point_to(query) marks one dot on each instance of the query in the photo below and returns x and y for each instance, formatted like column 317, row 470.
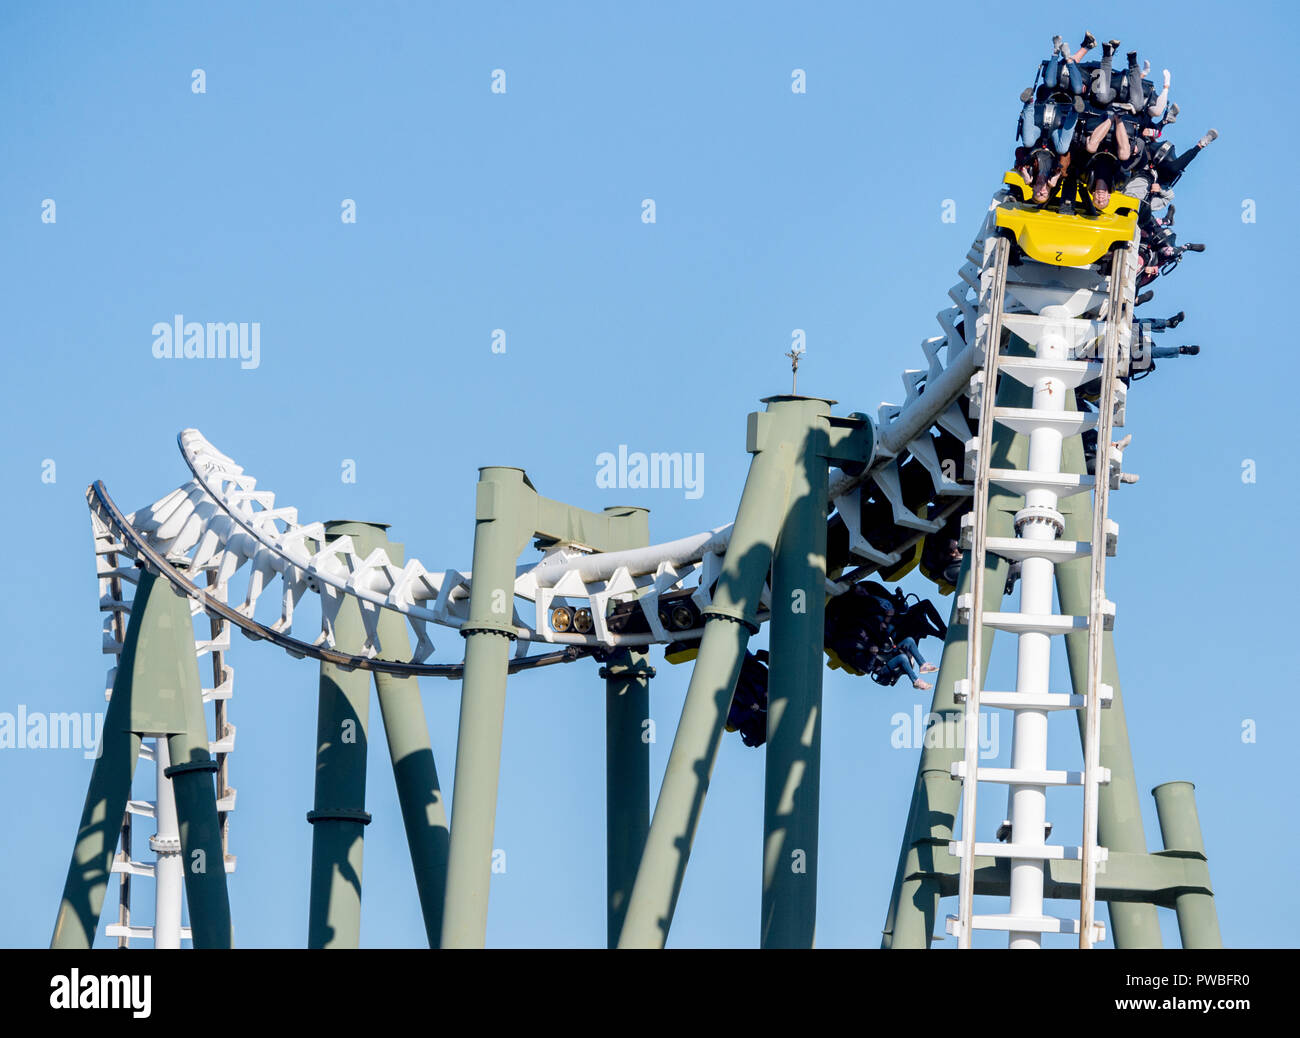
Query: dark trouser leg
column 1135, row 95
column 1102, row 91
column 1184, row 160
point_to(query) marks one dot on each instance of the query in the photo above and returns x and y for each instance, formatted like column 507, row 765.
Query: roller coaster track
column 198, row 536
column 219, row 523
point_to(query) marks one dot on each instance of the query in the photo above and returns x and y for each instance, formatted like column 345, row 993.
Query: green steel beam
column 729, row 621
column 508, row 512
column 1151, row 879
column 192, row 772
column 1119, row 807
column 505, row 517
column 792, row 763
column 156, row 691
column 936, row 795
column 339, row 815
column 415, row 772
column 1180, row 829
column 627, row 675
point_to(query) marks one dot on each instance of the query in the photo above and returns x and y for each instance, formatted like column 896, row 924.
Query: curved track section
column 220, row 522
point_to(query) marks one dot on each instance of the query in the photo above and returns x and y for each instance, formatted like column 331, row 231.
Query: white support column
column 1038, row 521
column 166, row 844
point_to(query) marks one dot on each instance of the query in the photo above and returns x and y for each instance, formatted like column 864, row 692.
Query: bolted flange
column 1039, row 514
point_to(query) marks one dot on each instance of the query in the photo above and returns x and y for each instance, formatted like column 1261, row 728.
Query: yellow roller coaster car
column 838, row 664
column 1064, row 239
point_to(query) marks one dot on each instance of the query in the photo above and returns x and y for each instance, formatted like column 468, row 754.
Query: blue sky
column 522, row 211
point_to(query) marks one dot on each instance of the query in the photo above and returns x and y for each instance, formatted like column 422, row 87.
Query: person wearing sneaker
column 1128, row 91
column 890, row 660
column 1104, row 169
column 1169, row 165
column 1132, row 88
column 1155, row 110
column 1051, row 70
column 1158, row 324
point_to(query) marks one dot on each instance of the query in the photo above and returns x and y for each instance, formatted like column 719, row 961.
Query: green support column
column 729, row 622
column 1119, row 808
column 202, row 858
column 419, row 792
column 936, row 796
column 792, row 765
column 101, row 818
column 156, row 691
column 339, row 814
column 424, row 814
column 508, row 511
column 505, row 517
column 627, row 675
column 1180, row 829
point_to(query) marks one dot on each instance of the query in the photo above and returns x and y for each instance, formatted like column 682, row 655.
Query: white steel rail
column 998, row 251
column 1119, row 316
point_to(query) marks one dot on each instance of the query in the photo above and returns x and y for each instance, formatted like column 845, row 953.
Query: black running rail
column 135, row 544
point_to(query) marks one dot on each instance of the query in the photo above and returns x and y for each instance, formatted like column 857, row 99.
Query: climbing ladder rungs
column 1027, row 623
column 1025, row 852
column 1025, row 924
column 143, row 933
column 226, row 744
column 223, row 691
column 1027, row 419
column 1030, row 700
column 1028, row 370
column 1046, row 623
column 1026, row 777
column 121, row 863
column 1063, row 484
column 1031, row 328
column 1021, row 548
